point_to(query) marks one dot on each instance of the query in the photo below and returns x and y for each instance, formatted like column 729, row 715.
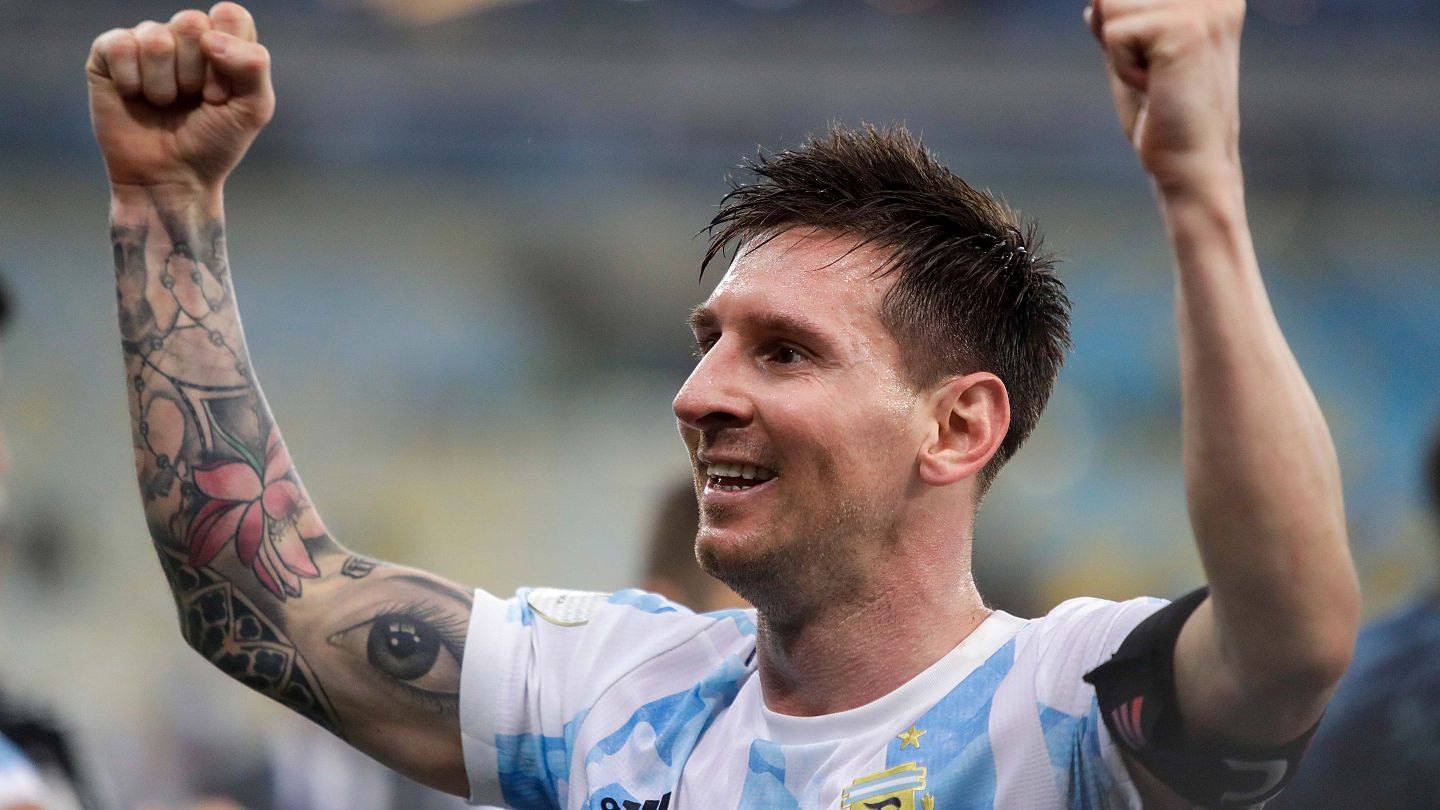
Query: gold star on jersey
column 910, row 738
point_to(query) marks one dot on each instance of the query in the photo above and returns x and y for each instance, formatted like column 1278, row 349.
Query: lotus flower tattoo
column 263, row 510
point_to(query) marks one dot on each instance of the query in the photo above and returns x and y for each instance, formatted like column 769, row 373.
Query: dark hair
column 973, row 291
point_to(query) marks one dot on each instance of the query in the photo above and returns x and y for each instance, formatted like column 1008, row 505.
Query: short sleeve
column 1073, row 639
column 537, row 665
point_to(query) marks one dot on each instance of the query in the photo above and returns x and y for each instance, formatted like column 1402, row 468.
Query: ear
column 969, row 417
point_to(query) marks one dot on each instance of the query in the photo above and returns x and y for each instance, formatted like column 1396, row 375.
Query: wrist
column 1197, row 178
column 207, row 198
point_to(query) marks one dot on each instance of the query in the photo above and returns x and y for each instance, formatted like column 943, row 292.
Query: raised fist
column 1174, row 69
column 179, row 103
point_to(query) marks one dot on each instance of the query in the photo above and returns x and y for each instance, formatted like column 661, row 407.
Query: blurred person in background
column 842, row 438
column 671, row 569
column 37, row 764
column 1379, row 743
column 20, row 785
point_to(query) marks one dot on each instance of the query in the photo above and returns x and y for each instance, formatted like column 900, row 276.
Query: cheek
column 881, row 441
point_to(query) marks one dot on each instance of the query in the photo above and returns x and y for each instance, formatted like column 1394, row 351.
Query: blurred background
column 466, row 246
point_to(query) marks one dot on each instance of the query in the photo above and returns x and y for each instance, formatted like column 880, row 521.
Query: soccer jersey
column 583, row 701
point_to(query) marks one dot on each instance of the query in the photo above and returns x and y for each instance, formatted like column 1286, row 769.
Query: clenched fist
column 179, row 103
column 1174, row 69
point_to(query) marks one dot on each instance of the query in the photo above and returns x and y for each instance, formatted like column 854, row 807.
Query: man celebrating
column 883, row 342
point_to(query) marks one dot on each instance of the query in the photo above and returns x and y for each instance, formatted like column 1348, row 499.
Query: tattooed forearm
column 262, row 590
column 223, row 625
column 214, row 475
column 201, row 419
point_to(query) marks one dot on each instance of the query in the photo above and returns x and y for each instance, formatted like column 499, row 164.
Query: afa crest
column 897, row 788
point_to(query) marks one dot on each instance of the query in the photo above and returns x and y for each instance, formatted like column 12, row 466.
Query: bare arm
column 1256, row 663
column 370, row 651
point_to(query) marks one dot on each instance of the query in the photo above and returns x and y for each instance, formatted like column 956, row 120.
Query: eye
column 703, row 344
column 418, row 646
column 401, row 647
column 785, row 355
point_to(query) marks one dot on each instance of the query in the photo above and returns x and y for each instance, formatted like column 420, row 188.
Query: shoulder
column 649, row 617
column 1055, row 652
column 604, row 634
column 549, row 675
column 1087, row 624
column 579, row 643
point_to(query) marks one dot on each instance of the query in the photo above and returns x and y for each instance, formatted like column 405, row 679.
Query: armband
column 1136, row 692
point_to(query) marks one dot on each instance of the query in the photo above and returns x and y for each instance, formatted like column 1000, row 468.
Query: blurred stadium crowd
column 465, row 249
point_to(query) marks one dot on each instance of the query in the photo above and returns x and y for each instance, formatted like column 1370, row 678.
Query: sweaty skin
column 373, row 651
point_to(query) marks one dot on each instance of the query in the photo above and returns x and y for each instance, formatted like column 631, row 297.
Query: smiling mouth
column 736, row 477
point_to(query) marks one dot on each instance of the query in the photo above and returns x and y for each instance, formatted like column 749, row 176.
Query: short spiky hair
column 972, row 292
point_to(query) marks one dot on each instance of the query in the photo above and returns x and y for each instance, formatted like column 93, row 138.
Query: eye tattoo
column 418, row 647
column 401, row 647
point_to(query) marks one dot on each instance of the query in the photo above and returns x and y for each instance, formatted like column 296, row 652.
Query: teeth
column 749, row 472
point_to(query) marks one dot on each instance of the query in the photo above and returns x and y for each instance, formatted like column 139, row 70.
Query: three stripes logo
column 662, row 803
column 1126, row 718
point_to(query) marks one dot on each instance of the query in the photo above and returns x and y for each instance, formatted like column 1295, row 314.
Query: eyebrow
column 703, row 318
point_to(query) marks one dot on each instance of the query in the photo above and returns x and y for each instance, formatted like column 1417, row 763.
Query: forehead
column 824, row 275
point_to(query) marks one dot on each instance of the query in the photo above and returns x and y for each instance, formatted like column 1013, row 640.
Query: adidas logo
column 662, row 803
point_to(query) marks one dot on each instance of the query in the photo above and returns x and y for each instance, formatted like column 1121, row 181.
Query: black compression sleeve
column 1136, row 691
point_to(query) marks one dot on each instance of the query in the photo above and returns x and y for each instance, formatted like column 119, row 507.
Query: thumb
column 245, row 65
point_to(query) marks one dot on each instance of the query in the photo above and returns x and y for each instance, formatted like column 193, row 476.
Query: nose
column 714, row 397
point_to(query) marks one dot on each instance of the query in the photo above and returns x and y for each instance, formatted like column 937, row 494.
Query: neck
column 829, row 660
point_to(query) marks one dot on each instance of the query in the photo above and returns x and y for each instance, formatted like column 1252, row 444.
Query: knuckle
column 190, row 22
column 154, row 38
column 157, row 46
column 112, row 42
column 230, row 13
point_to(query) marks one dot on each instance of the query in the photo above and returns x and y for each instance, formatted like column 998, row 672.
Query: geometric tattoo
column 237, row 536
column 213, row 472
column 232, row 634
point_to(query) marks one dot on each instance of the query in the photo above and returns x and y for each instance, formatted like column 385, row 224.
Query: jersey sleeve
column 1141, row 708
column 1077, row 636
column 536, row 664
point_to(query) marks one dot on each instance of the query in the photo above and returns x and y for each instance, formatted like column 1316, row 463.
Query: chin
column 775, row 575
column 735, row 557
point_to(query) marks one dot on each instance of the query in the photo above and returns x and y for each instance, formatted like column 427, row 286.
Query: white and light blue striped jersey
column 584, row 701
